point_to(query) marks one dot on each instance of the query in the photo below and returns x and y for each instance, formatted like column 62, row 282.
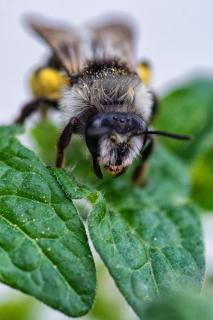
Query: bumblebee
column 102, row 94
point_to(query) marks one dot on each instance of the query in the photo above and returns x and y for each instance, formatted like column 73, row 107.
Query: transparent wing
column 114, row 39
column 64, row 43
column 108, row 40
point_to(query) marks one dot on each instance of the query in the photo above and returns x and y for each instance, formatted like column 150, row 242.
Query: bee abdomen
column 48, row 82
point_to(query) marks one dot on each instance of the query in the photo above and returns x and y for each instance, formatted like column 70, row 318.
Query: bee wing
column 64, row 43
column 114, row 39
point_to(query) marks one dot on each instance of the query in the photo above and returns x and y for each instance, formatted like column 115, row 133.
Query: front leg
column 140, row 169
column 96, row 168
column 33, row 106
column 64, row 140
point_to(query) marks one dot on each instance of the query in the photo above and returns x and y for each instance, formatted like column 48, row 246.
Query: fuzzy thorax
column 117, row 151
column 119, row 94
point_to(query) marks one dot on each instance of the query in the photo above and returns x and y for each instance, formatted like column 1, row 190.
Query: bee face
column 118, row 151
column 115, row 139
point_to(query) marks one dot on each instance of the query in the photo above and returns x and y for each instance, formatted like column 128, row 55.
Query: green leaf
column 202, row 174
column 150, row 246
column 179, row 306
column 43, row 245
column 72, row 188
column 187, row 109
column 45, row 134
column 155, row 250
column 149, row 236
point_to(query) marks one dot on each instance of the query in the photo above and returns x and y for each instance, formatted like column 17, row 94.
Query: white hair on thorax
column 143, row 101
column 72, row 103
column 130, row 94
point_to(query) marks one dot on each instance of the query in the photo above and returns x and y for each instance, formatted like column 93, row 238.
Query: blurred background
column 176, row 36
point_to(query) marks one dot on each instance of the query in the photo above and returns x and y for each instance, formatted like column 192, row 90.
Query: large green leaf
column 150, row 236
column 149, row 249
column 43, row 244
column 160, row 249
column 187, row 109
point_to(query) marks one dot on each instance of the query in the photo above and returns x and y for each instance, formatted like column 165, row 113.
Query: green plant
column 149, row 237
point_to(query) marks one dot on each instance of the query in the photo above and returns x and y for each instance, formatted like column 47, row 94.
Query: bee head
column 114, row 139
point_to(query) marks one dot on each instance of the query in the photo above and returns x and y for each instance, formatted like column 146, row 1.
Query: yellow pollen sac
column 144, row 73
column 48, row 82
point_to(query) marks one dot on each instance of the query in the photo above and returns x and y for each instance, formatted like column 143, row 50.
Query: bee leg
column 139, row 171
column 64, row 140
column 33, row 106
column 97, row 169
column 44, row 111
